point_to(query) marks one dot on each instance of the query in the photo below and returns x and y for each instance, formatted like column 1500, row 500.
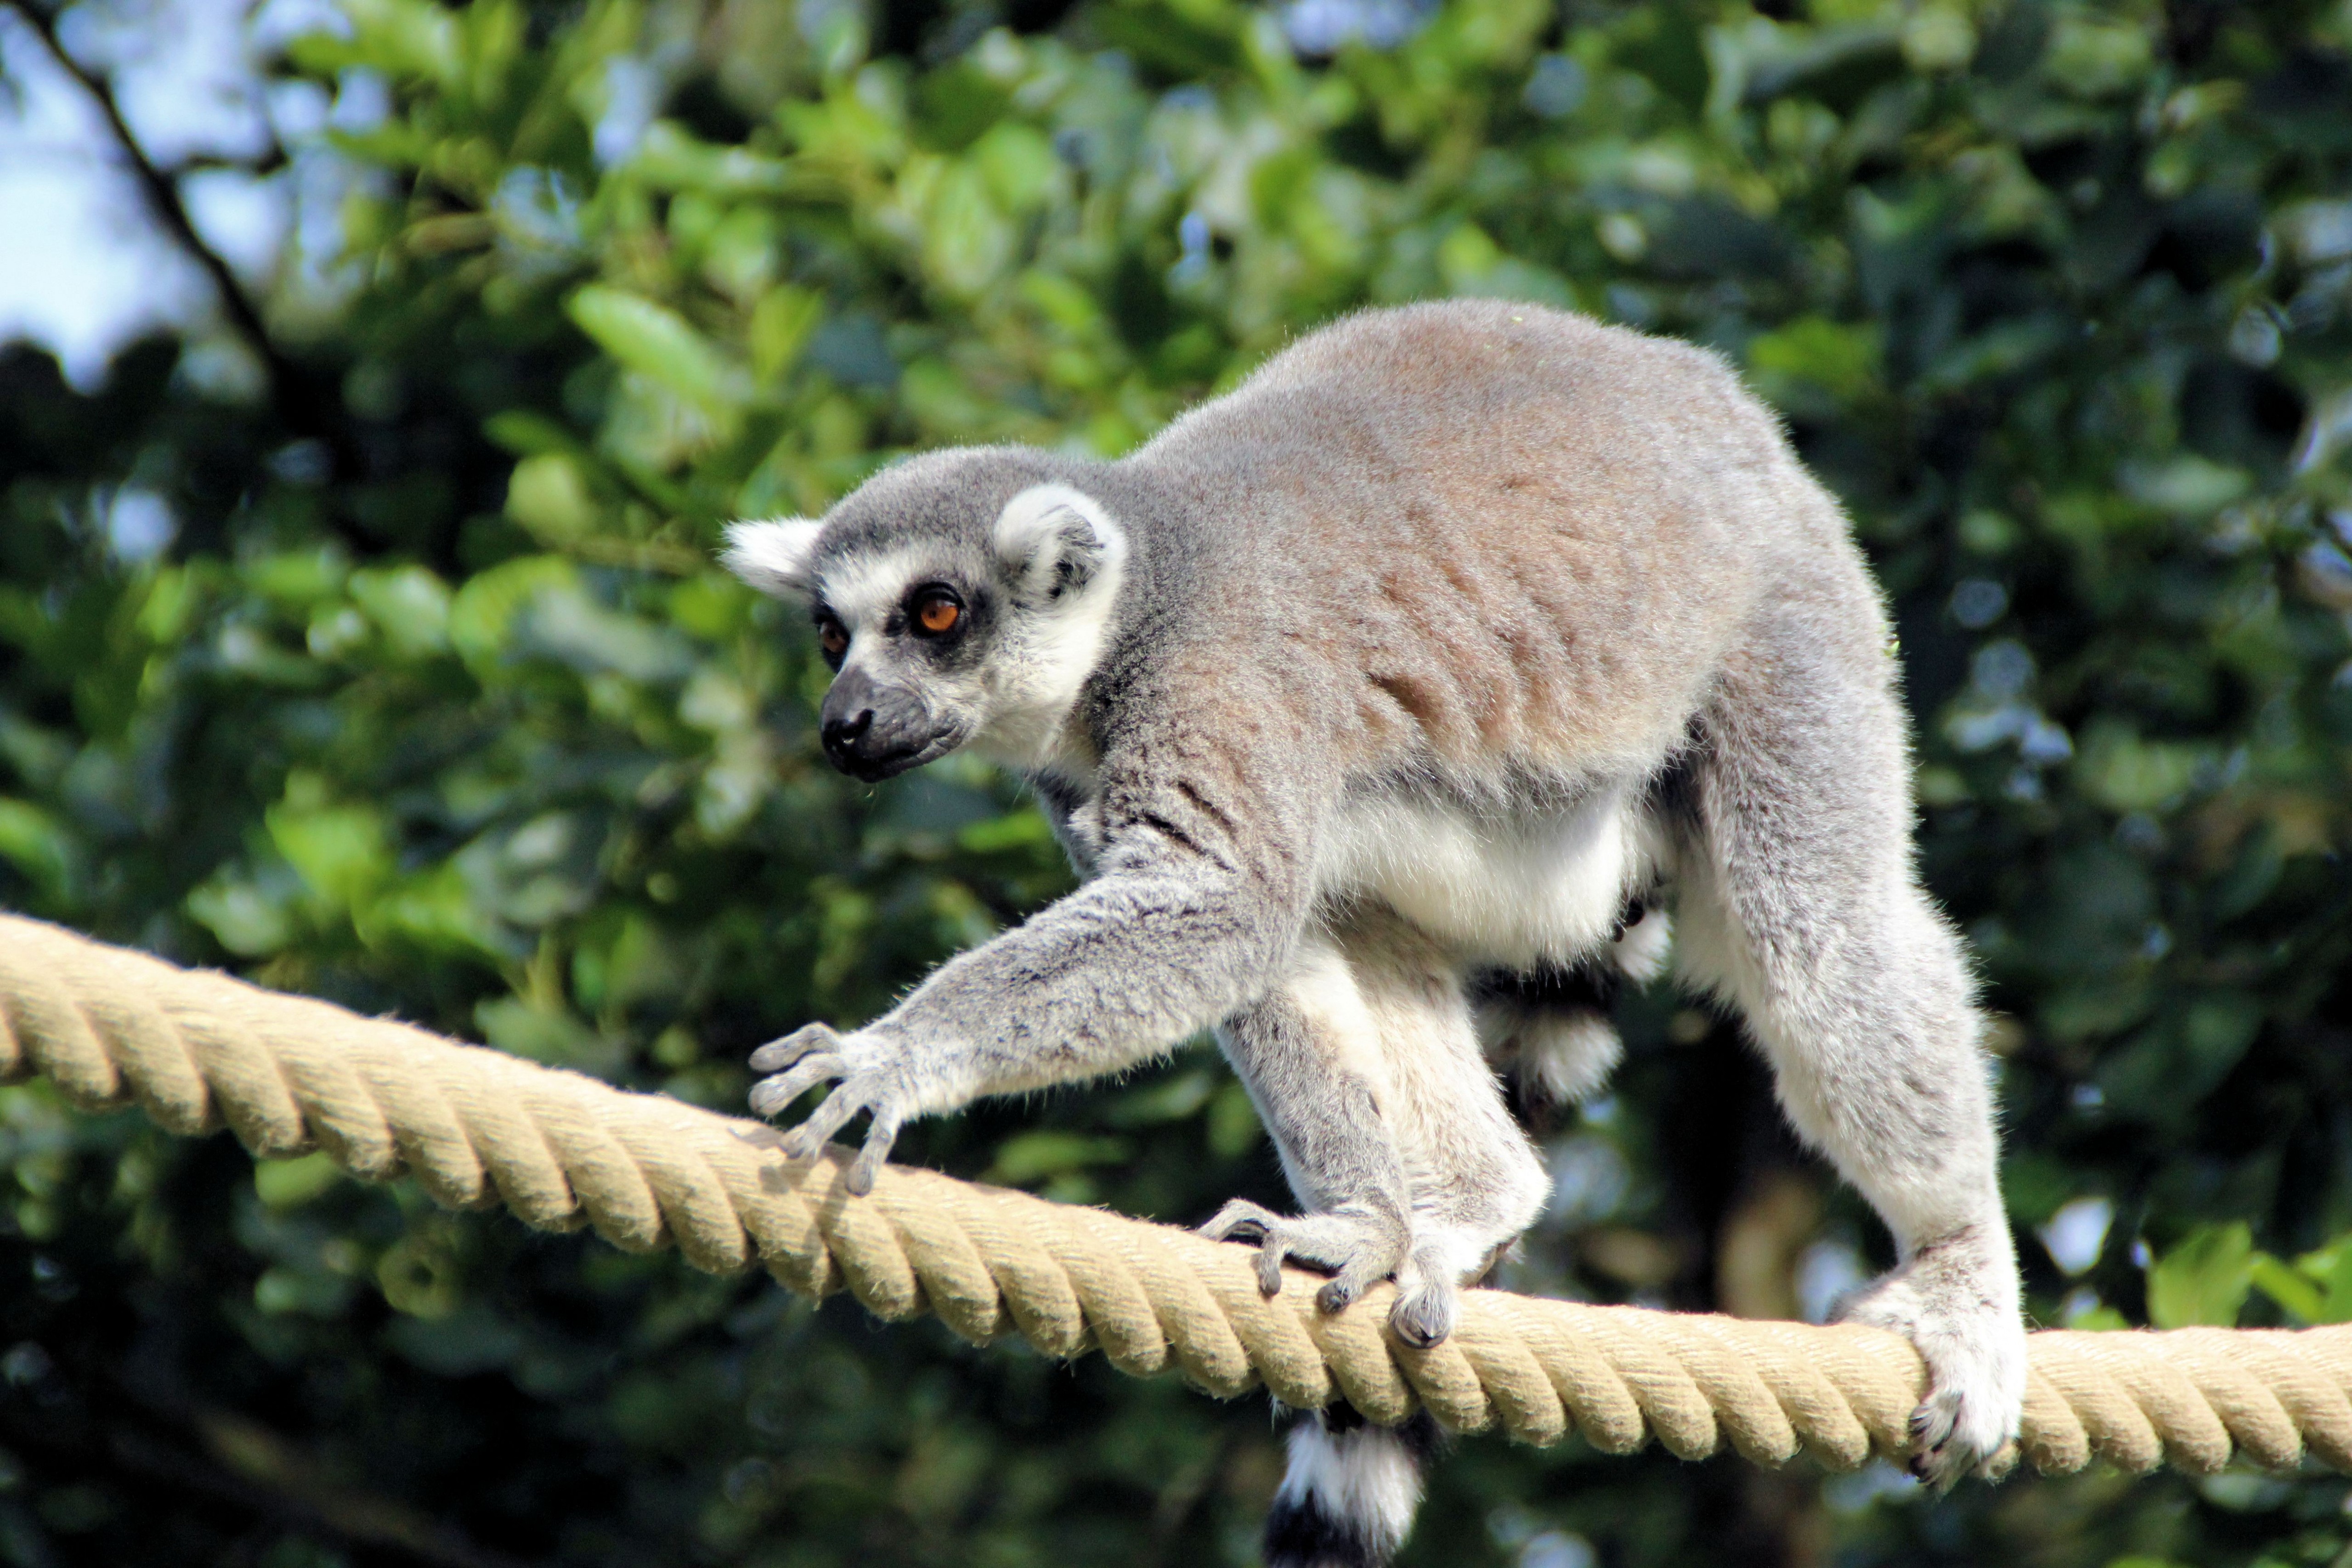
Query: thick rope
column 474, row 1127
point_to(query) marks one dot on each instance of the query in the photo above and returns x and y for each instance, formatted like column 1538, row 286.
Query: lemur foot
column 1359, row 1248
column 1426, row 1305
column 1957, row 1308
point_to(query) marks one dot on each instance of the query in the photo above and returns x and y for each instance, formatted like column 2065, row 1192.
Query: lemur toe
column 1240, row 1220
column 876, row 1153
column 771, row 1095
column 1423, row 1315
column 1945, row 1451
column 1931, row 1434
column 1357, row 1250
column 1356, row 1274
column 784, row 1053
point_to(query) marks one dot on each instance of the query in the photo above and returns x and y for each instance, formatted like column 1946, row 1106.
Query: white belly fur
column 1517, row 890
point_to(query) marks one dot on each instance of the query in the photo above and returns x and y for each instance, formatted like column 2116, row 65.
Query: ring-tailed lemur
column 1413, row 659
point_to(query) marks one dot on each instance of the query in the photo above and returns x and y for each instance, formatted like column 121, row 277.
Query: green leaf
column 410, row 39
column 2202, row 1279
column 1016, row 830
column 968, row 241
column 780, row 324
column 342, row 852
column 551, row 497
column 2187, row 485
column 2123, row 772
column 527, row 433
column 433, row 910
column 656, row 342
column 482, row 613
column 1798, row 364
column 1234, row 1125
column 36, row 844
column 290, row 1183
column 2093, row 57
column 408, row 603
column 672, row 158
column 2330, row 1269
column 2181, row 1057
column 1028, row 1157
column 551, row 1035
column 1018, row 164
column 2292, row 1291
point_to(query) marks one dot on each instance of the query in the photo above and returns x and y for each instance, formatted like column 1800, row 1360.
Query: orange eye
column 937, row 613
column 831, row 639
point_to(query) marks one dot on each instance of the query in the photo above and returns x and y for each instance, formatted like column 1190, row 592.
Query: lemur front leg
column 1365, row 1067
column 1178, row 930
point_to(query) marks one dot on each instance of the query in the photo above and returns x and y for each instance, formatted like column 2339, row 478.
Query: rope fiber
column 196, row 1051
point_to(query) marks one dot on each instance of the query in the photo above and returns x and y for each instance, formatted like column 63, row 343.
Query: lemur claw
column 1423, row 1316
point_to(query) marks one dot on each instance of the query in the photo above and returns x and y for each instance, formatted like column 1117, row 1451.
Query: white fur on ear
column 1066, row 557
column 773, row 557
column 1057, row 539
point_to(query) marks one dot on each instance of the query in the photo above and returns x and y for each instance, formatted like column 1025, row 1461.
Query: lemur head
column 961, row 596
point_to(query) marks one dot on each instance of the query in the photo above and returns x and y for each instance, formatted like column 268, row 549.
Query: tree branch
column 243, row 1467
column 292, row 394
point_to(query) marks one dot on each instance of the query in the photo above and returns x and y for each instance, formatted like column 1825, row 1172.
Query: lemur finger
column 1240, row 1220
column 784, row 1053
column 771, row 1095
column 803, row 1141
column 1270, row 1254
column 1337, row 1296
column 869, row 1161
column 1353, row 1280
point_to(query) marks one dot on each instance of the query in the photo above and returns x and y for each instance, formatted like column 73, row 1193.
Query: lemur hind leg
column 1306, row 1055
column 1476, row 1181
column 1799, row 902
column 1411, row 1166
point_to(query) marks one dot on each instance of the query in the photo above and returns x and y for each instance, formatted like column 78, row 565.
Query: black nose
column 873, row 729
column 843, row 731
column 846, row 719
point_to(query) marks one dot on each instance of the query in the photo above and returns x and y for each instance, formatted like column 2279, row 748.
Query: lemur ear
column 1056, row 540
column 773, row 557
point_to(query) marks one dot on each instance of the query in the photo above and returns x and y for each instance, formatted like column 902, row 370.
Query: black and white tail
column 1348, row 1497
column 1551, row 1029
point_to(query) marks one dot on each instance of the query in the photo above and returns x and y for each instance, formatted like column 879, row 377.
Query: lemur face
column 947, row 620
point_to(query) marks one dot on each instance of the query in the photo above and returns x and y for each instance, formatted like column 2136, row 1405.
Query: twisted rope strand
column 477, row 1127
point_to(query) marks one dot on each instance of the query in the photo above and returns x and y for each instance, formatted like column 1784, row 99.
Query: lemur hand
column 869, row 1066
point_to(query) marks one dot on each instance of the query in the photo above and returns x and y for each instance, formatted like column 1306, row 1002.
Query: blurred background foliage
column 364, row 641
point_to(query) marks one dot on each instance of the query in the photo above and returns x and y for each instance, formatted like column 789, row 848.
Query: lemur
column 1415, row 660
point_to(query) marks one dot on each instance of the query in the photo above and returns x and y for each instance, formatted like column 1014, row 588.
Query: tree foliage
column 389, row 665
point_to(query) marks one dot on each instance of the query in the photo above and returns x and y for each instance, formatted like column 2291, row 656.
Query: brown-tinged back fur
column 1498, row 532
